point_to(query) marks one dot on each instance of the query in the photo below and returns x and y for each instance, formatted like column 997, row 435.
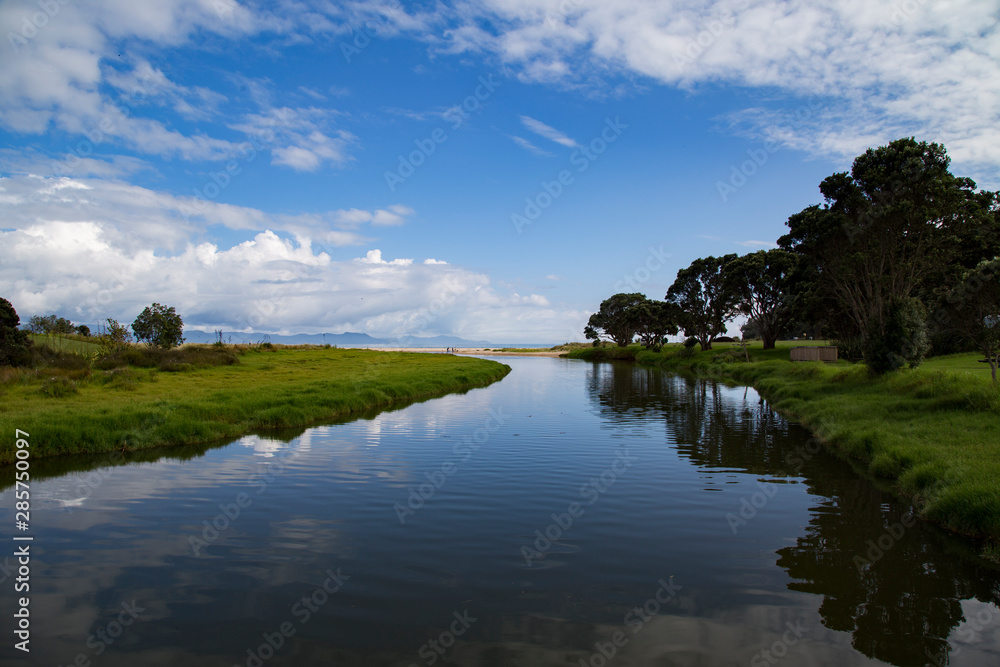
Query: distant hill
column 349, row 339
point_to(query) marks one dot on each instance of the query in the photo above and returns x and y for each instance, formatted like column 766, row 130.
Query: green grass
column 74, row 409
column 63, row 343
column 932, row 433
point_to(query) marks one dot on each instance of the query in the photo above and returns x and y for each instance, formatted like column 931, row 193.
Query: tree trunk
column 769, row 341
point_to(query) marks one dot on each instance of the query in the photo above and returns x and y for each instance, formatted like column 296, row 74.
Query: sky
column 490, row 169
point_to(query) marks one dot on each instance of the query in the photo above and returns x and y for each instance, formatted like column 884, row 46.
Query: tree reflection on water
column 894, row 583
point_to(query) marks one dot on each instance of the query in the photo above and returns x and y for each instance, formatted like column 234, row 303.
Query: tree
column 762, row 283
column 50, row 324
column 975, row 311
column 705, row 299
column 83, row 330
column 14, row 343
column 616, row 319
column 655, row 321
column 882, row 233
column 159, row 326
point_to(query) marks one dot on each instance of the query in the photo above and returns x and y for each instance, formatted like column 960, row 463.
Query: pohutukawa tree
column 656, row 320
column 882, row 232
column 762, row 284
column 705, row 299
column 617, row 319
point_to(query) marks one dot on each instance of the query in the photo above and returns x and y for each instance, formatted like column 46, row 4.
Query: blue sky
column 488, row 169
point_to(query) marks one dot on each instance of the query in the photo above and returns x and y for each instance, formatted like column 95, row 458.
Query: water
column 568, row 513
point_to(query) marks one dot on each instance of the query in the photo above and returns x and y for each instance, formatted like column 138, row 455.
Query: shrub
column 159, row 326
column 904, row 340
column 113, row 338
column 690, row 342
column 58, row 387
column 14, row 343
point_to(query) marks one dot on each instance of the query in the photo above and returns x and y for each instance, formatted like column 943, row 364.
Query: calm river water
column 572, row 514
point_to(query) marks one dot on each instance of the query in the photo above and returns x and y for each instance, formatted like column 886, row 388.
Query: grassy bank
column 932, row 432
column 210, row 394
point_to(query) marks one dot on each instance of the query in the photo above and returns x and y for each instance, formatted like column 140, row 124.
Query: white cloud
column 392, row 216
column 550, row 133
column 757, row 244
column 89, row 249
column 530, row 147
column 76, row 74
column 879, row 70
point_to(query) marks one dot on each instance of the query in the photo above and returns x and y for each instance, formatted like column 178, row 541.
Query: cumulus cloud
column 89, row 249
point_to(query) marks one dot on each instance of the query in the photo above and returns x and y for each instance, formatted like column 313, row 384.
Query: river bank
column 84, row 410
column 932, row 433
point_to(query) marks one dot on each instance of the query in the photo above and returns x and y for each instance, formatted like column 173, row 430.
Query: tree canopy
column 705, row 299
column 159, row 326
column 762, row 283
column 617, row 319
column 14, row 343
column 885, row 228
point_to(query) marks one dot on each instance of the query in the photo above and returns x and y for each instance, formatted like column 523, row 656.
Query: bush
column 14, row 343
column 690, row 342
column 159, row 326
column 904, row 341
column 113, row 338
column 58, row 387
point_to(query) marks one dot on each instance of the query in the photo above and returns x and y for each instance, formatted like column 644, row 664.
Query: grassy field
column 74, row 344
column 933, row 432
column 72, row 408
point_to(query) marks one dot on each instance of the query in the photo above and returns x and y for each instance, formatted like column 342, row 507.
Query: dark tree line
column 901, row 259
